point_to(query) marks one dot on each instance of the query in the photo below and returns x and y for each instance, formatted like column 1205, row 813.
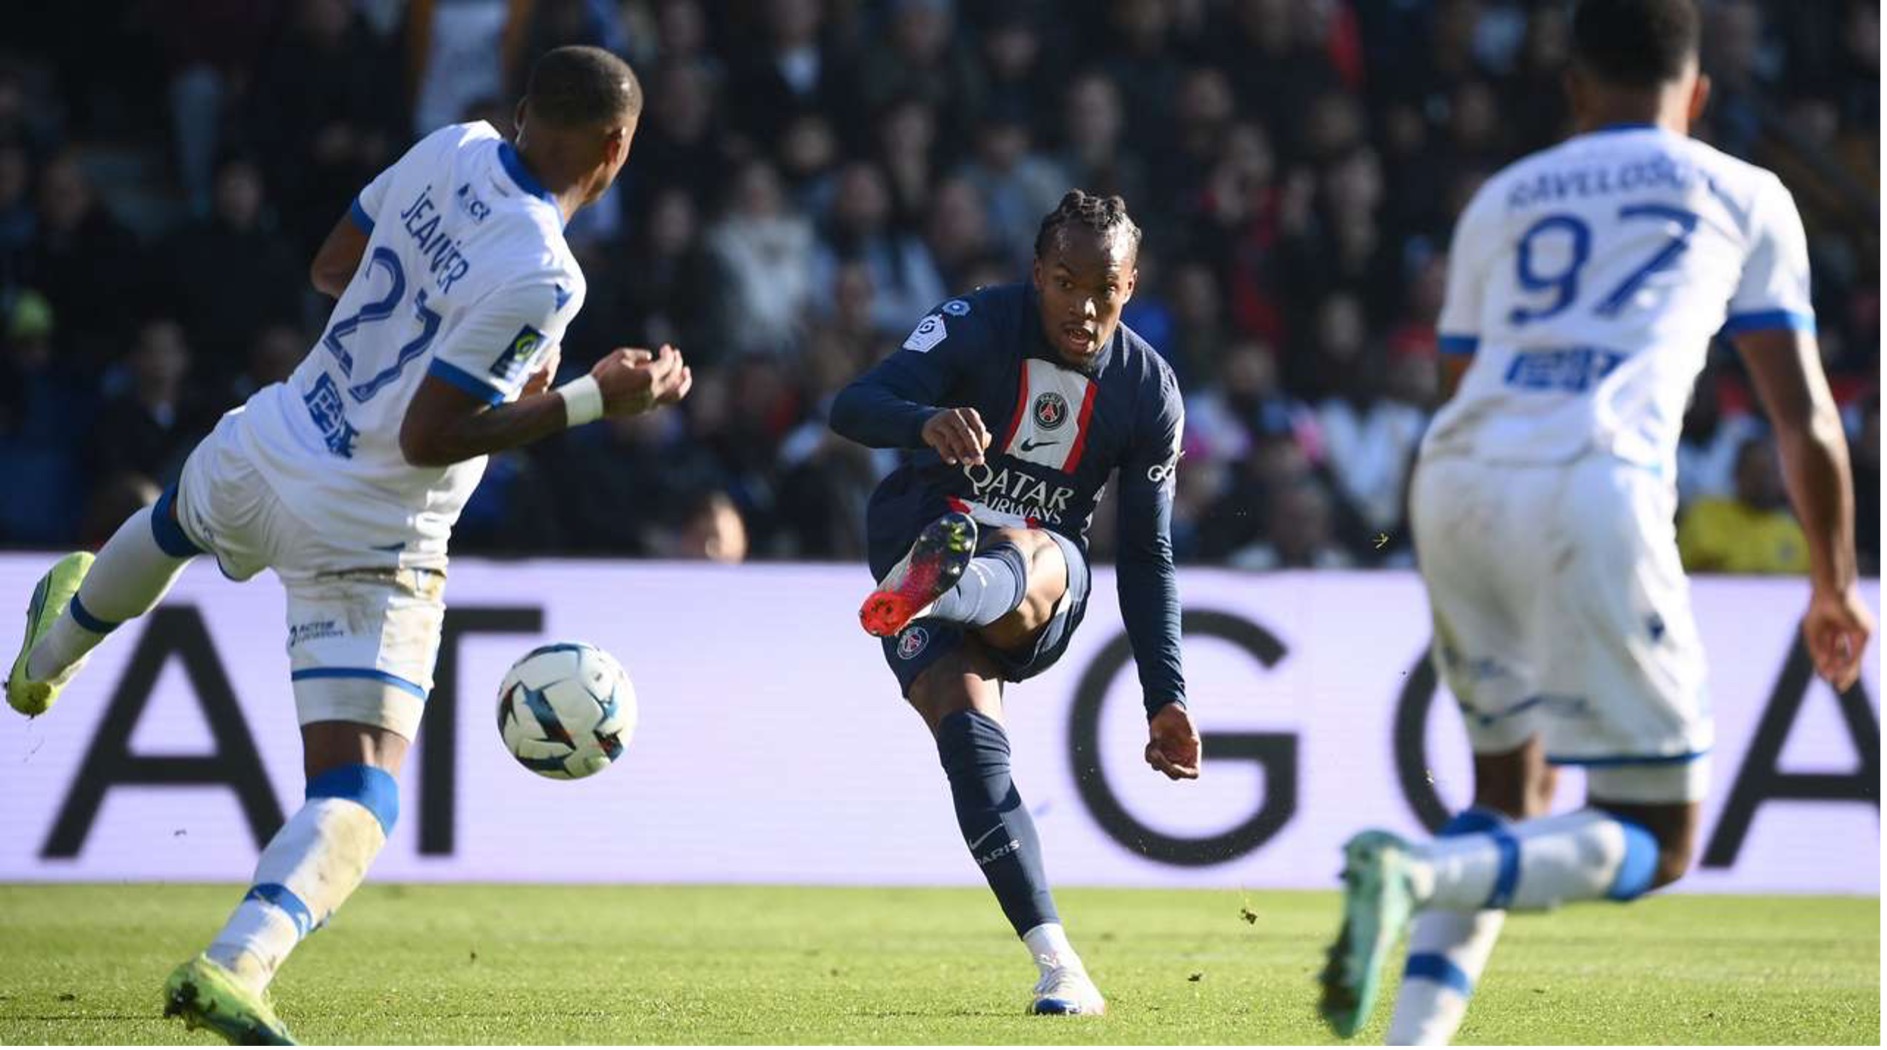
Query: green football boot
column 207, row 996
column 50, row 598
column 1378, row 902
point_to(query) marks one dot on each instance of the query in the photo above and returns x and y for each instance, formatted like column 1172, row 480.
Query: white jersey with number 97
column 1588, row 280
column 466, row 278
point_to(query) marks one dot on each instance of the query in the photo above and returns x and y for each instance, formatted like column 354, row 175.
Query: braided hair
column 1106, row 216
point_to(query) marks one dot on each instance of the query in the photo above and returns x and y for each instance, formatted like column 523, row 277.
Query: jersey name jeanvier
column 1588, row 280
column 466, row 277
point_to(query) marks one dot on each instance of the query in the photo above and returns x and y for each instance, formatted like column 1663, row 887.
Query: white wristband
column 582, row 401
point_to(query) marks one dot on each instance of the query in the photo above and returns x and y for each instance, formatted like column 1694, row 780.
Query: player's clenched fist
column 635, row 381
column 958, row 435
column 1837, row 628
column 1173, row 743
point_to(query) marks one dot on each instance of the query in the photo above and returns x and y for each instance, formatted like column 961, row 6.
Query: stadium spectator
column 1298, row 533
column 857, row 229
column 82, row 259
column 921, row 62
column 319, row 115
column 961, row 242
column 1017, row 184
column 711, row 530
column 270, row 358
column 1093, row 128
column 1751, row 532
column 230, row 275
column 155, row 419
column 765, row 253
column 790, row 73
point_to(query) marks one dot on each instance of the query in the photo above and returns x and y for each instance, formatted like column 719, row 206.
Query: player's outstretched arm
column 1149, row 590
column 447, row 424
column 1785, row 364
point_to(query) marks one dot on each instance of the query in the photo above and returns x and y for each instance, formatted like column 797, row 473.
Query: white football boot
column 1066, row 989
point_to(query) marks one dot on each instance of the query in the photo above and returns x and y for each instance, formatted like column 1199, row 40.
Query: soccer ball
column 566, row 710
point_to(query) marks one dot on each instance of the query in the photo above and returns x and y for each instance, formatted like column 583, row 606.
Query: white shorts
column 363, row 629
column 1561, row 610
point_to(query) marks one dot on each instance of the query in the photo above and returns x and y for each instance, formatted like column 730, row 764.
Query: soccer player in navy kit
column 1018, row 401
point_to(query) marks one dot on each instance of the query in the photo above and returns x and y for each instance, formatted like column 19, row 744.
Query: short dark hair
column 1636, row 43
column 1106, row 216
column 574, row 87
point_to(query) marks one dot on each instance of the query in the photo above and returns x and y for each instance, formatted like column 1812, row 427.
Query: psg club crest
column 1051, row 411
column 912, row 642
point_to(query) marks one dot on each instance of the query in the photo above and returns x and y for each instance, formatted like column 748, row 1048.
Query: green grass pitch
column 640, row 964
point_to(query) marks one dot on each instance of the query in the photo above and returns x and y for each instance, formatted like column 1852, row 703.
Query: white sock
column 312, row 865
column 1539, row 864
column 1048, row 947
column 129, row 578
column 1448, row 951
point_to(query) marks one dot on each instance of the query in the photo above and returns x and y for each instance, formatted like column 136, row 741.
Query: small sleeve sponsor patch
column 928, row 333
column 524, row 346
column 956, row 308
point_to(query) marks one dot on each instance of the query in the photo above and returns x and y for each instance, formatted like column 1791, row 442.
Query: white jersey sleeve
column 1774, row 289
column 1470, row 254
column 365, row 209
column 504, row 338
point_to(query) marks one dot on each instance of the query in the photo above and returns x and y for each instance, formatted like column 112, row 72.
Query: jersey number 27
column 379, row 310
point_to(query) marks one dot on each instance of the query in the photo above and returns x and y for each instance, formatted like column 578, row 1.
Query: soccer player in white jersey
column 1585, row 284
column 454, row 286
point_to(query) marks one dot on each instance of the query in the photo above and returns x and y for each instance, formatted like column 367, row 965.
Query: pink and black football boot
column 933, row 566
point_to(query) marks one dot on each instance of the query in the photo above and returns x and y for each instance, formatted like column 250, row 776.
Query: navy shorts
column 926, row 641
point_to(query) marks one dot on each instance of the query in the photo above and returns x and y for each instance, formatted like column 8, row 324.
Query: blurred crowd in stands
column 811, row 176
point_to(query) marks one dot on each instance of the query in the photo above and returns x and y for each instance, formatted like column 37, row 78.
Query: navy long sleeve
column 888, row 406
column 1146, row 579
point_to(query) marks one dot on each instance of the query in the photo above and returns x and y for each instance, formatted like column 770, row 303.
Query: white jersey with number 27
column 466, row 277
column 1588, row 280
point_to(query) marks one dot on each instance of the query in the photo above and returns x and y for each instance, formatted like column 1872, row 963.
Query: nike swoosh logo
column 984, row 835
column 1029, row 445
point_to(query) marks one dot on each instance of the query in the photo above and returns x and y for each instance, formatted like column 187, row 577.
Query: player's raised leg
column 82, row 599
column 960, row 698
column 1005, row 583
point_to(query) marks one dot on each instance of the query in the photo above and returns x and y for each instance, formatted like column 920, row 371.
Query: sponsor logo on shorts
column 314, row 630
column 912, row 642
column 1051, row 411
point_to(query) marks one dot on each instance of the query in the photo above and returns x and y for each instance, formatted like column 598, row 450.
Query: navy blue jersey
column 1058, row 434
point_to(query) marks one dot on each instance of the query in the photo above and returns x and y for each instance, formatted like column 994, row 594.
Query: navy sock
column 992, row 586
column 995, row 824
